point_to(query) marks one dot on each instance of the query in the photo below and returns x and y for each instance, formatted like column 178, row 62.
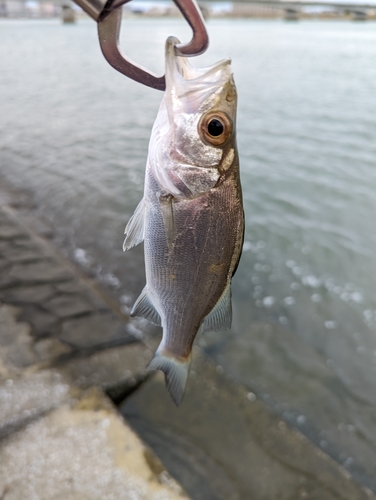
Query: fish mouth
column 179, row 70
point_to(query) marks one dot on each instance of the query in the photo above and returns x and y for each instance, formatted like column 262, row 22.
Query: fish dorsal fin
column 220, row 317
column 144, row 307
column 134, row 232
column 175, row 370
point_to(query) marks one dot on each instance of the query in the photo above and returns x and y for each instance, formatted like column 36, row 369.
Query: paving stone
column 27, row 242
column 4, row 217
column 68, row 305
column 4, row 263
column 94, row 331
column 4, row 245
column 119, row 368
column 42, row 322
column 16, row 343
column 78, row 287
column 48, row 271
column 8, row 232
column 36, row 294
column 97, row 301
column 6, row 281
column 71, row 287
column 20, row 354
column 48, row 349
column 22, row 254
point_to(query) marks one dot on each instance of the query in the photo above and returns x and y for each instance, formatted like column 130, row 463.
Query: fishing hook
column 109, row 21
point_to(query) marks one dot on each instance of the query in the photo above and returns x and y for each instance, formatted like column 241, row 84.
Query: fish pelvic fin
column 134, row 232
column 145, row 308
column 176, row 372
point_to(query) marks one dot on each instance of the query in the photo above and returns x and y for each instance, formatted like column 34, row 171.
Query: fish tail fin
column 175, row 370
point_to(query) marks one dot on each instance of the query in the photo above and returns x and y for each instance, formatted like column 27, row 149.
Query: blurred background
column 74, row 134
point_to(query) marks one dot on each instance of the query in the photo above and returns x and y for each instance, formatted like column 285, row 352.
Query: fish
column 191, row 216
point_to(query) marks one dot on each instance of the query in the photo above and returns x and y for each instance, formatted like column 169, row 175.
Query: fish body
column 191, row 216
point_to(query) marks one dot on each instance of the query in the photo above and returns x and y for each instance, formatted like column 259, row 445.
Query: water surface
column 75, row 133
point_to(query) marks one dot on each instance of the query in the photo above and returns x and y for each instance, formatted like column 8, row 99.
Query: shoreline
column 241, row 11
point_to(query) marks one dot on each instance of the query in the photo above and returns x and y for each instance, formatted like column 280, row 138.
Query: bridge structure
column 294, row 8
column 289, row 9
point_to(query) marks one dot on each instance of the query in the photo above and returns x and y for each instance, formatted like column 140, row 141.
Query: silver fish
column 191, row 215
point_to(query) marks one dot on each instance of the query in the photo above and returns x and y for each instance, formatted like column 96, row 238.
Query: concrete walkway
column 60, row 436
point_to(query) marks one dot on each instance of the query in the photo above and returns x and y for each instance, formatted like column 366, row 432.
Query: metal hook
column 109, row 30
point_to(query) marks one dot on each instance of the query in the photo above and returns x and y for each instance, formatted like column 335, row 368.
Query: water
column 75, row 133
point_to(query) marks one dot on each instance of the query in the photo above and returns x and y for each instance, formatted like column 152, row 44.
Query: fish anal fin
column 134, row 232
column 220, row 317
column 144, row 307
column 175, row 370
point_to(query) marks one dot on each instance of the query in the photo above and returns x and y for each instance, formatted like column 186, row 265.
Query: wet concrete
column 72, row 326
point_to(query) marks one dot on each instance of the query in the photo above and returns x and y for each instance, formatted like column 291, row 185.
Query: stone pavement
column 61, row 345
column 71, row 324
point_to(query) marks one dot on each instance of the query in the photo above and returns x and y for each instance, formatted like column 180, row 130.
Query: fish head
column 193, row 139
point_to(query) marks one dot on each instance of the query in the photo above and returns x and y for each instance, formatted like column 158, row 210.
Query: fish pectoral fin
column 220, row 317
column 168, row 218
column 134, row 232
column 176, row 373
column 144, row 307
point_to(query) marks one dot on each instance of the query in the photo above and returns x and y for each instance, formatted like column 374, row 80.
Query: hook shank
column 108, row 33
column 109, row 30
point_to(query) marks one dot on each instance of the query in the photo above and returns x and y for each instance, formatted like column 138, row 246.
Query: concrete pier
column 68, row 15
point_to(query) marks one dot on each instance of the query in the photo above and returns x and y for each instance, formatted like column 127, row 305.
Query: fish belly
column 191, row 250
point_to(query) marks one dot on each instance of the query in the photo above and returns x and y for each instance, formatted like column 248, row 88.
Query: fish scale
column 201, row 258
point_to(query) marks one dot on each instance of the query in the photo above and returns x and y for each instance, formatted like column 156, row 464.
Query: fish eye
column 215, row 128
